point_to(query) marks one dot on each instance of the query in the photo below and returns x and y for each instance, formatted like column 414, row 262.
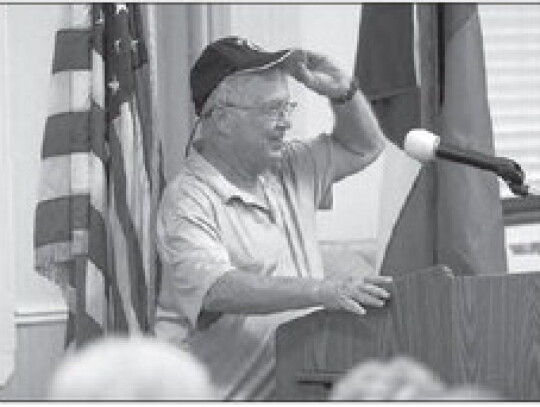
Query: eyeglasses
column 275, row 112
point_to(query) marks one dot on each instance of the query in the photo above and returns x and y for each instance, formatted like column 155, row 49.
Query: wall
column 39, row 308
column 331, row 30
column 40, row 345
column 29, row 60
column 181, row 32
column 7, row 340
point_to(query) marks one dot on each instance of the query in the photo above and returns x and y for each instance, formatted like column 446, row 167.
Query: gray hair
column 131, row 368
column 232, row 89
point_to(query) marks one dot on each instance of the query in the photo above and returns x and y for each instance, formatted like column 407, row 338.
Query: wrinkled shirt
column 207, row 227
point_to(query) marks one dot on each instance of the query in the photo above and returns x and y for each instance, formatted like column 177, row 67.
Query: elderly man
column 236, row 227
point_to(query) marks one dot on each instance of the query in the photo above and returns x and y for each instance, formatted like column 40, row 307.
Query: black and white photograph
column 270, row 201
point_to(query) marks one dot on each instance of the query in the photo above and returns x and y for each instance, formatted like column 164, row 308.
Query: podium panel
column 469, row 329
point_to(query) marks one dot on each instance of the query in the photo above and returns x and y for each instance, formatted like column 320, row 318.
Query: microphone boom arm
column 509, row 170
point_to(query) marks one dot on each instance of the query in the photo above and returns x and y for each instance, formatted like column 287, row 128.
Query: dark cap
column 225, row 57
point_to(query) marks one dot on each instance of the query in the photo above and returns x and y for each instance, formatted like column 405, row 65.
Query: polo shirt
column 206, row 227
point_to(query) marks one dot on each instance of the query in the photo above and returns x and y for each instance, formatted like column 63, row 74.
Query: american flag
column 100, row 174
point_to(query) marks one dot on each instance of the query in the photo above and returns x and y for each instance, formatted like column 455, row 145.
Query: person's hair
column 130, row 368
column 399, row 378
column 233, row 88
column 402, row 378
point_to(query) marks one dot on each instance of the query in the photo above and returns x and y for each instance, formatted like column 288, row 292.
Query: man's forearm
column 356, row 127
column 239, row 293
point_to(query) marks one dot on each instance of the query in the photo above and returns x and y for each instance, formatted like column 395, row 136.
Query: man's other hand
column 317, row 73
column 354, row 294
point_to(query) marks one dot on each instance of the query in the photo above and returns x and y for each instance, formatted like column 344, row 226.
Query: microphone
column 425, row 146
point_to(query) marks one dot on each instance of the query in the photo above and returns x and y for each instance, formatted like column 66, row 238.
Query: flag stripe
column 70, row 92
column 127, row 278
column 135, row 177
column 81, row 327
column 125, row 221
column 98, row 87
column 76, row 16
column 138, row 183
column 59, row 227
column 64, row 252
column 86, row 328
column 58, row 254
column 95, row 293
column 142, row 90
column 71, row 52
column 67, row 133
column 117, row 309
column 97, row 31
column 84, row 168
column 144, row 113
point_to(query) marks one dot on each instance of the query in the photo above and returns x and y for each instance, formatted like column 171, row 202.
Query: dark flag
column 423, row 66
column 98, row 188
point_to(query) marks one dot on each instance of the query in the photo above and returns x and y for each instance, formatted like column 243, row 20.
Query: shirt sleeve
column 192, row 252
column 310, row 164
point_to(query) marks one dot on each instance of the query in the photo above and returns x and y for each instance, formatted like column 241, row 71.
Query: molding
column 32, row 314
column 366, row 245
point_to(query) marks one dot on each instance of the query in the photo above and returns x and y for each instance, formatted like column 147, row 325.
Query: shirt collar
column 207, row 173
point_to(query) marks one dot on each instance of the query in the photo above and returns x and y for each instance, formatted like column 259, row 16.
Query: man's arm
column 238, row 292
column 200, row 276
column 357, row 134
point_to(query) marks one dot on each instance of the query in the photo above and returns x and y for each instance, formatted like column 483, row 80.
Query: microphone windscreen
column 421, row 144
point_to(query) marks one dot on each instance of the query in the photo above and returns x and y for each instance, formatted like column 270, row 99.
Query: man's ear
column 223, row 120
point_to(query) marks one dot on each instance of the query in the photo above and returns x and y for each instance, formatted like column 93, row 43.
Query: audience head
column 130, row 368
column 401, row 378
column 397, row 379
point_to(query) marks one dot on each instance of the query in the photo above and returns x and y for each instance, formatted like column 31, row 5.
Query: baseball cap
column 225, row 57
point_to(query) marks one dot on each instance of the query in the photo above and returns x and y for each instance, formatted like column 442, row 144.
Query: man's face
column 260, row 127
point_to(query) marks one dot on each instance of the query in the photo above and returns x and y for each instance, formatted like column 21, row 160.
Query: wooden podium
column 469, row 329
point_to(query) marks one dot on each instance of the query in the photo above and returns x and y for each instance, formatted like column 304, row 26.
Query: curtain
column 423, row 66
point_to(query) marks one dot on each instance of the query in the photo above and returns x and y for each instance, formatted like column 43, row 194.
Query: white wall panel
column 7, row 295
column 331, row 29
column 30, row 36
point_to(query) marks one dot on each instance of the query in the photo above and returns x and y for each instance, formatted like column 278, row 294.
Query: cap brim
column 279, row 59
